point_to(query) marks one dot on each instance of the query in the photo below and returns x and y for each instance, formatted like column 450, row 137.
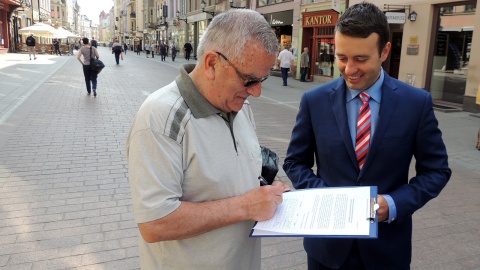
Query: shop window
column 262, row 3
column 446, row 10
column 451, row 56
column 470, row 8
column 325, row 56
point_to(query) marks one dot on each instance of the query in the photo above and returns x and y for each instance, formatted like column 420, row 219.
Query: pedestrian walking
column 84, row 55
column 187, row 47
column 93, row 42
column 304, row 64
column 117, row 50
column 70, row 48
column 152, row 48
column 285, row 59
column 193, row 214
column 147, row 49
column 56, row 45
column 139, row 48
column 125, row 48
column 364, row 129
column 163, row 50
column 174, row 51
column 30, row 41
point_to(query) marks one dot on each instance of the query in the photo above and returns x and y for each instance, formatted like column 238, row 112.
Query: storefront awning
column 456, row 29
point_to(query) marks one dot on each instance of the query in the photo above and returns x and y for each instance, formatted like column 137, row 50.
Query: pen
column 263, row 182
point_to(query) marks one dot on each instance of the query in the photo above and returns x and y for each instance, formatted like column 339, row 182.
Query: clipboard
column 302, row 214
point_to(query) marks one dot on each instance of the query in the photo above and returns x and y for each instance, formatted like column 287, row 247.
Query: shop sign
column 395, row 17
column 319, row 19
column 412, row 49
column 280, row 18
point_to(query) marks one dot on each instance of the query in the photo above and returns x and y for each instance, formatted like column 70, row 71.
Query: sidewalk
column 64, row 194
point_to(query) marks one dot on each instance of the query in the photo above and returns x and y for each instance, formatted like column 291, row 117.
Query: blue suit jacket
column 406, row 128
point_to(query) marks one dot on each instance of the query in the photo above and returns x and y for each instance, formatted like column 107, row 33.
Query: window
column 470, row 8
column 446, row 10
column 325, row 56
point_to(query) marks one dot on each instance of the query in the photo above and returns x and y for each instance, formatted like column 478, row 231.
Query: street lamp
column 232, row 6
column 178, row 17
column 412, row 16
column 202, row 5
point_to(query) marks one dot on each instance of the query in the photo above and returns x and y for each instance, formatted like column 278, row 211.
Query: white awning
column 456, row 29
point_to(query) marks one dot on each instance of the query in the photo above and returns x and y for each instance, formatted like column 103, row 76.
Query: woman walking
column 88, row 52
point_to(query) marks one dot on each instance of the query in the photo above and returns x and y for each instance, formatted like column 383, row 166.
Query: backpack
column 117, row 49
column 29, row 41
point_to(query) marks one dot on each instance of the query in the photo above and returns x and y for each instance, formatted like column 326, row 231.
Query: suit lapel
column 387, row 107
column 337, row 98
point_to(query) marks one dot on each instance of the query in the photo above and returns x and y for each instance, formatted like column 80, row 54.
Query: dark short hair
column 85, row 40
column 363, row 19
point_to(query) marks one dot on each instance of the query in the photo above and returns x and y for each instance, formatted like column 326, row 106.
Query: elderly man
column 194, row 158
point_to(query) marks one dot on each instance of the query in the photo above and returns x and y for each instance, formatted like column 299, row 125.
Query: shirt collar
column 375, row 91
column 196, row 102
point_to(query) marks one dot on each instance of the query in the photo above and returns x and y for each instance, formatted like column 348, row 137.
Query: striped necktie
column 363, row 130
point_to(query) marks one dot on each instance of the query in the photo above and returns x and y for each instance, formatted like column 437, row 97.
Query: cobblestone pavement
column 64, row 193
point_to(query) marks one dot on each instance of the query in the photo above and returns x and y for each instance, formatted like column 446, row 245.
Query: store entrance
column 451, row 54
column 392, row 65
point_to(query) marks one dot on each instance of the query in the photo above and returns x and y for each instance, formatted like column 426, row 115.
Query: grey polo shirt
column 180, row 148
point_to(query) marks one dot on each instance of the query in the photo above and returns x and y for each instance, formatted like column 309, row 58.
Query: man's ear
column 386, row 51
column 210, row 60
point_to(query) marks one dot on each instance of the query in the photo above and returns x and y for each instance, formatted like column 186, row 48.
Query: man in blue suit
column 402, row 126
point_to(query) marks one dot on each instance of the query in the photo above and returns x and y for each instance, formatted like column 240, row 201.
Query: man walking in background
column 56, row 45
column 31, row 46
column 163, row 50
column 285, row 59
column 188, row 50
column 153, row 48
column 93, row 42
column 304, row 64
column 117, row 50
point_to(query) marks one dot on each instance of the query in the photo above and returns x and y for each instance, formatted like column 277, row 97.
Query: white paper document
column 323, row 212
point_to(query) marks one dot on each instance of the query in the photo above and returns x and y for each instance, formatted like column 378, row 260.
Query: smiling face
column 358, row 59
column 231, row 92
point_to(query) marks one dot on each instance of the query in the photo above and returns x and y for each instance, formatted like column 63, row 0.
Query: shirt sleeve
column 392, row 209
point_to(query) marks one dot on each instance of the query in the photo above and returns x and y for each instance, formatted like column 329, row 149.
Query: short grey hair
column 231, row 31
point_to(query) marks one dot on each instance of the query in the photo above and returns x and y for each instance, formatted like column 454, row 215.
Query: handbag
column 269, row 164
column 95, row 64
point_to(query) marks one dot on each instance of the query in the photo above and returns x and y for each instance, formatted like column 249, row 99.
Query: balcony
column 133, row 14
column 151, row 25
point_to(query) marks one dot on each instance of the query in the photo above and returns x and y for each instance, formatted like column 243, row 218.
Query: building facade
column 433, row 50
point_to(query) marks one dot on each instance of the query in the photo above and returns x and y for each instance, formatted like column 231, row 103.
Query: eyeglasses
column 251, row 80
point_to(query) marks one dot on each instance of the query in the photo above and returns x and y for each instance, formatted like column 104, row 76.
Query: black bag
column 95, row 64
column 269, row 164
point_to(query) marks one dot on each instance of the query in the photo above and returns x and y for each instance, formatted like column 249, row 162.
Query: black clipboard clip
column 373, row 210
